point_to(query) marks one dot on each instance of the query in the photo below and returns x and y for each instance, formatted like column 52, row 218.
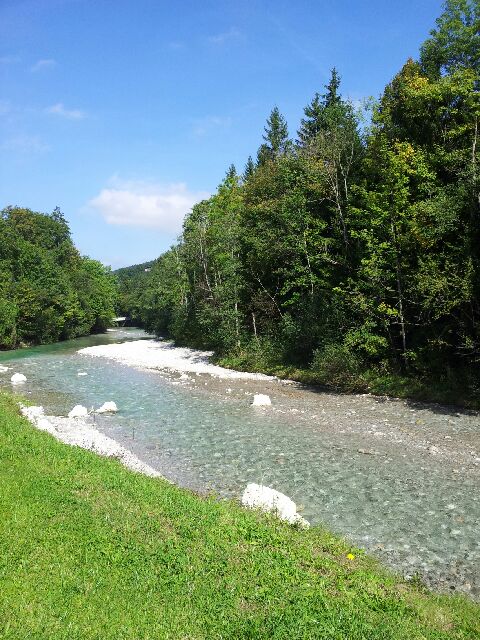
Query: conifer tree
column 310, row 126
column 332, row 97
column 320, row 111
column 249, row 169
column 276, row 138
column 231, row 172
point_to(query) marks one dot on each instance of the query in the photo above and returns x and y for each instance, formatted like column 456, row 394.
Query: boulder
column 78, row 411
column 257, row 496
column 44, row 424
column 36, row 412
column 107, row 407
column 18, row 378
column 261, row 400
column 3, row 369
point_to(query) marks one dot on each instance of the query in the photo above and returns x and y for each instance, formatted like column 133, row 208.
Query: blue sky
column 126, row 112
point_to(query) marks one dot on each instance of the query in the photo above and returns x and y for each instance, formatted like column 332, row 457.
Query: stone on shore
column 107, row 407
column 257, row 496
column 18, row 378
column 3, row 369
column 78, row 411
column 261, row 400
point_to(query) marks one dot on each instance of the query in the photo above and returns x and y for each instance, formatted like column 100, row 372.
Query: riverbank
column 81, row 432
column 94, row 550
column 165, row 355
column 335, row 377
column 398, row 479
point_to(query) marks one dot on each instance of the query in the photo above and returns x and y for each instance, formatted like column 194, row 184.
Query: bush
column 338, row 366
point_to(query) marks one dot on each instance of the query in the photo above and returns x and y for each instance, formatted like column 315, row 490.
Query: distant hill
column 132, row 282
column 133, row 270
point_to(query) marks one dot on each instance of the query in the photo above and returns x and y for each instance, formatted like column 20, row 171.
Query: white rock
column 107, row 407
column 36, row 412
column 184, row 376
column 261, row 400
column 257, row 496
column 3, row 369
column 80, row 433
column 18, row 378
column 78, row 411
column 155, row 354
column 82, row 373
column 44, row 425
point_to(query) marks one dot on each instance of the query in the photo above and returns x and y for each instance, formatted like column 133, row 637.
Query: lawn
column 90, row 550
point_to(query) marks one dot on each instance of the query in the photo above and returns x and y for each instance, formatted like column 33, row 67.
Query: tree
column 319, row 114
column 276, row 138
column 312, row 124
column 48, row 292
column 249, row 169
column 455, row 43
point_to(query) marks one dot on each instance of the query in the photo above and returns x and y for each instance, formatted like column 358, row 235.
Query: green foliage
column 357, row 249
column 338, row 366
column 48, row 292
column 132, row 283
column 276, row 140
column 455, row 43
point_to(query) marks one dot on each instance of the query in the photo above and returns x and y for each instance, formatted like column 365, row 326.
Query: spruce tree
column 249, row 169
column 231, row 172
column 276, row 138
column 310, row 126
column 321, row 110
column 332, row 97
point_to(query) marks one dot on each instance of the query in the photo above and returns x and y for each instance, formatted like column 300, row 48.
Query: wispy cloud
column 42, row 65
column 226, row 36
column 204, row 126
column 71, row 114
column 146, row 204
column 25, row 144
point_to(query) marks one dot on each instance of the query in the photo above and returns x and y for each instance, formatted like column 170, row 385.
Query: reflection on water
column 416, row 516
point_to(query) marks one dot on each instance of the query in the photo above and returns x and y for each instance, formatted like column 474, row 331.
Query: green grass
column 438, row 390
column 91, row 550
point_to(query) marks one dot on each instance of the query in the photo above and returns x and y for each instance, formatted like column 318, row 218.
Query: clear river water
column 399, row 479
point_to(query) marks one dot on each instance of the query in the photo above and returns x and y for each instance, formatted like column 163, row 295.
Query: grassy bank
column 93, row 551
column 337, row 376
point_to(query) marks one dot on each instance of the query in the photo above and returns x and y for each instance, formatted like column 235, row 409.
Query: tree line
column 48, row 291
column 351, row 252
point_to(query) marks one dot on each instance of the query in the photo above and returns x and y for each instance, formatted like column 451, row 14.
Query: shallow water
column 398, row 479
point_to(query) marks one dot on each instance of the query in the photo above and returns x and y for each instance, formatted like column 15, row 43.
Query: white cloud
column 147, row 205
column 203, row 126
column 71, row 114
column 222, row 38
column 40, row 65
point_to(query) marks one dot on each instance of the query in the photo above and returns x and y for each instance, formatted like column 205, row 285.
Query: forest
column 48, row 291
column 348, row 254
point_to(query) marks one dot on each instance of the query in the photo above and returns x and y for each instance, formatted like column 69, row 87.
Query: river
column 399, row 479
